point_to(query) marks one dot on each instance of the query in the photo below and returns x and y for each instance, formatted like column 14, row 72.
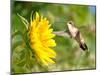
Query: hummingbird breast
column 73, row 30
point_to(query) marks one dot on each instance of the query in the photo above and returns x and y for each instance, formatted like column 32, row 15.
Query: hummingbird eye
column 70, row 22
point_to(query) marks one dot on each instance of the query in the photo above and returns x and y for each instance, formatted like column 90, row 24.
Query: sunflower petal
column 41, row 41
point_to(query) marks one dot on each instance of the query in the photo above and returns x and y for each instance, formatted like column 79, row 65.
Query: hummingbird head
column 70, row 23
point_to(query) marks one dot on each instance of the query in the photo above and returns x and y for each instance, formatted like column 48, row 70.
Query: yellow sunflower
column 40, row 35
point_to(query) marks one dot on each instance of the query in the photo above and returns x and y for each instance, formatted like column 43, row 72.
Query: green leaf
column 31, row 17
column 16, row 33
column 24, row 21
column 16, row 44
column 21, row 63
column 17, row 24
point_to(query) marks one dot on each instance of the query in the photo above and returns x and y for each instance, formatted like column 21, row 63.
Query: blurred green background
column 69, row 55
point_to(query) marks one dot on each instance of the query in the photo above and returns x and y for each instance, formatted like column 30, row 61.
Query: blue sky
column 93, row 9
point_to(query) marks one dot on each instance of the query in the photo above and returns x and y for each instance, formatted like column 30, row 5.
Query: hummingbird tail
column 83, row 46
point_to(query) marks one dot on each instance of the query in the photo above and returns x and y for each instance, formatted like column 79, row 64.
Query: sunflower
column 41, row 39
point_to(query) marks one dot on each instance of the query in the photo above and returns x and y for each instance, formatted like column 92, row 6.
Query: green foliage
column 69, row 55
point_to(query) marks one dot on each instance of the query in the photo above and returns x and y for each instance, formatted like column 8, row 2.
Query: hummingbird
column 76, row 34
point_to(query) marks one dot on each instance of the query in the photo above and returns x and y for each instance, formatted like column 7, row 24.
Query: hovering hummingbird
column 75, row 34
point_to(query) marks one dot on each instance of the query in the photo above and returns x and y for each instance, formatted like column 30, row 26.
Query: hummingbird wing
column 62, row 33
